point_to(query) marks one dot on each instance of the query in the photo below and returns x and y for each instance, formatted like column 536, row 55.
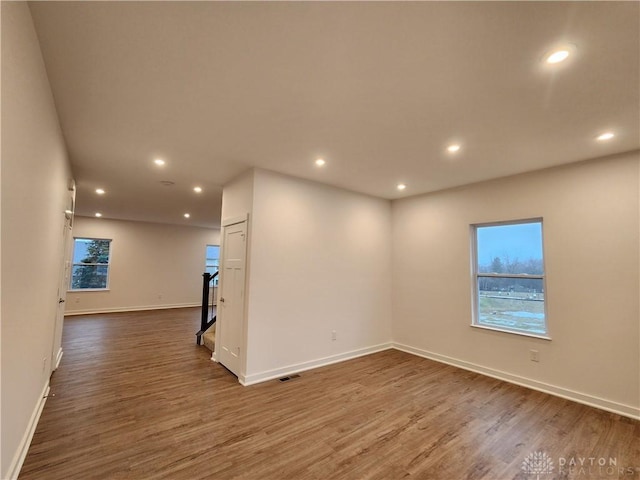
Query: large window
column 212, row 261
column 91, row 258
column 508, row 271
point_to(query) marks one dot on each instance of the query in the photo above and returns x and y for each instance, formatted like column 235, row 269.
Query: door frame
column 63, row 281
column 228, row 222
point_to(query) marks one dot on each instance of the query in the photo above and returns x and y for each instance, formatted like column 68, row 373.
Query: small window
column 91, row 258
column 212, row 260
column 509, row 282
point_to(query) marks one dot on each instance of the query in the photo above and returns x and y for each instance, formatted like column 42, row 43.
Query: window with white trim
column 509, row 280
column 91, row 260
column 212, row 260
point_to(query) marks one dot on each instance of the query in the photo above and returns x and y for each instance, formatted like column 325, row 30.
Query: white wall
column 152, row 265
column 35, row 172
column 319, row 261
column 237, row 197
column 591, row 239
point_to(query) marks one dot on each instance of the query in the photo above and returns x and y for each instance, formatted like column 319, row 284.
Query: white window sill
column 513, row 332
column 88, row 290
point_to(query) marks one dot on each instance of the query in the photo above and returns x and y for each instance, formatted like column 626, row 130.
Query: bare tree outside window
column 509, row 290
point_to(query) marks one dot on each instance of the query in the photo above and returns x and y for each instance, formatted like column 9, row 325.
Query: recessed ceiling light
column 605, row 136
column 186, row 215
column 98, row 214
column 559, row 53
column 453, row 148
column 558, row 56
column 401, row 186
column 159, row 162
column 100, row 191
column 197, row 189
column 320, row 162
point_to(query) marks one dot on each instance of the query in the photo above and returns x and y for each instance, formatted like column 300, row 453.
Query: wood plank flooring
column 135, row 398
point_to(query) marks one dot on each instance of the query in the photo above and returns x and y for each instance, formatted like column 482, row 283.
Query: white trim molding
column 227, row 222
column 58, row 358
column 579, row 397
column 130, row 309
column 254, row 378
column 20, row 455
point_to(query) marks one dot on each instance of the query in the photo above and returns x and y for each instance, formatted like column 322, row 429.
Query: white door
column 231, row 300
column 63, row 286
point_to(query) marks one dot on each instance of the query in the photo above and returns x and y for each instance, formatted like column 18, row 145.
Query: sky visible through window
column 90, row 264
column 213, row 254
column 80, row 251
column 519, row 241
column 510, row 297
column 212, row 259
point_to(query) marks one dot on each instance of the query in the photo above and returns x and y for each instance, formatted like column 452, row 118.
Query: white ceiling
column 377, row 89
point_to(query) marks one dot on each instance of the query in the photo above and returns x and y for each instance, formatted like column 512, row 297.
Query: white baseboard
column 18, row 459
column 579, row 397
column 130, row 309
column 301, row 367
column 58, row 359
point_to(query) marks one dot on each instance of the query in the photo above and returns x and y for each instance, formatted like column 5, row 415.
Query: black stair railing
column 207, row 318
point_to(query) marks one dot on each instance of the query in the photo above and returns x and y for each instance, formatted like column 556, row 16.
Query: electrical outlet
column 334, row 335
column 534, row 355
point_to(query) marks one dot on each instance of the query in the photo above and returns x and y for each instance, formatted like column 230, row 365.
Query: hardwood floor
column 135, row 398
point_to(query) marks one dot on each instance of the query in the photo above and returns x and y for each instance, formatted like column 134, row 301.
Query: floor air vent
column 290, row 377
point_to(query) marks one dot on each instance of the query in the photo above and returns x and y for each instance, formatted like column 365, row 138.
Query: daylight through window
column 509, row 290
column 212, row 261
column 91, row 258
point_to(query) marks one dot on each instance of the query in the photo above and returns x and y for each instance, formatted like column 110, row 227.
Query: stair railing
column 206, row 319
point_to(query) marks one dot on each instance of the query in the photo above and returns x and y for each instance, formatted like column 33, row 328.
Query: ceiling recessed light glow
column 605, row 136
column 197, row 189
column 453, row 148
column 98, row 214
column 558, row 56
column 401, row 186
column 320, row 162
column 100, row 191
column 159, row 162
column 186, row 215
